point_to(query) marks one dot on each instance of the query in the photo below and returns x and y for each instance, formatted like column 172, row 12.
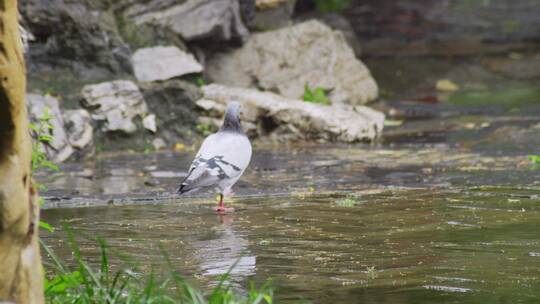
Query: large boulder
column 162, row 63
column 116, row 104
column 75, row 34
column 266, row 113
column 219, row 20
column 286, row 60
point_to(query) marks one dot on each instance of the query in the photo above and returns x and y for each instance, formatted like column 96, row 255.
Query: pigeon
column 221, row 160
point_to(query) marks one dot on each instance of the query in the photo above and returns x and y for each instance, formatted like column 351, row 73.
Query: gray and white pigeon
column 221, row 160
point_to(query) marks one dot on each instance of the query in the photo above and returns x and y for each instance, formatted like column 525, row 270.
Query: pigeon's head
column 231, row 122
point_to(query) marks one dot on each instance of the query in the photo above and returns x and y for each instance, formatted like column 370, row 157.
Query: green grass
column 83, row 283
column 316, row 95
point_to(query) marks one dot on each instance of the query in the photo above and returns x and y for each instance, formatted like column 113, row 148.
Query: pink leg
column 221, row 207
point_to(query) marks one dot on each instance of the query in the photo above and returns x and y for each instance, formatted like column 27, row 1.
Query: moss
column 507, row 97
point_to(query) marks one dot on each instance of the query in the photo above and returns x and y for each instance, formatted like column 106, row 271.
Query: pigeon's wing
column 223, row 155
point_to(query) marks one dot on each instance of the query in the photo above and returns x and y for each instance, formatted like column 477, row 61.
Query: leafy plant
column 200, row 81
column 371, row 272
column 535, row 159
column 331, row 6
column 346, row 202
column 317, row 95
column 205, row 129
column 41, row 135
column 85, row 284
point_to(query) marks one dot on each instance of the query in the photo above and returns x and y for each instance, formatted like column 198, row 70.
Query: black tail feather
column 185, row 189
column 182, row 189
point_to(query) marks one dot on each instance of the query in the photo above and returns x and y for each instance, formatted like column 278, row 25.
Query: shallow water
column 422, row 223
column 477, row 245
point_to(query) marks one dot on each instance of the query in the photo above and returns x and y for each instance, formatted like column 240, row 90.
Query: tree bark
column 21, row 272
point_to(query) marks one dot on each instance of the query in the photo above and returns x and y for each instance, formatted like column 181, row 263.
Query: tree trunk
column 20, row 262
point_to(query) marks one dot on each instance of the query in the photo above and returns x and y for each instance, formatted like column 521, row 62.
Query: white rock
column 149, row 123
column 59, row 148
column 158, row 143
column 296, row 119
column 162, row 63
column 116, row 103
column 285, row 60
column 79, row 128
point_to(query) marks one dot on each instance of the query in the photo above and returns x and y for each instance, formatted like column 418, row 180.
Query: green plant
column 317, row 95
column 331, row 6
column 41, row 135
column 371, row 272
column 346, row 202
column 205, row 129
column 84, row 284
column 535, row 159
column 200, row 81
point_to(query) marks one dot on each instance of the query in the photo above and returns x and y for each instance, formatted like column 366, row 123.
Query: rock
column 219, row 20
column 115, row 103
column 248, row 10
column 265, row 4
column 295, row 119
column 59, row 149
column 287, row 59
column 273, row 14
column 79, row 128
column 447, row 28
column 26, row 37
column 71, row 33
column 149, row 123
column 512, row 137
column 523, row 67
column 162, row 63
column 446, row 85
column 173, row 103
column 158, row 143
column 339, row 23
column 152, row 182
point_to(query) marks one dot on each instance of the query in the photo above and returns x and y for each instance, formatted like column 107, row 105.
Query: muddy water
column 422, row 223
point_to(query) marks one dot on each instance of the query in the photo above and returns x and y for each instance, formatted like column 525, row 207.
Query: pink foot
column 222, row 210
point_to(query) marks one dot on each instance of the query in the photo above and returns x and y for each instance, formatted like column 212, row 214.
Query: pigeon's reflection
column 225, row 250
